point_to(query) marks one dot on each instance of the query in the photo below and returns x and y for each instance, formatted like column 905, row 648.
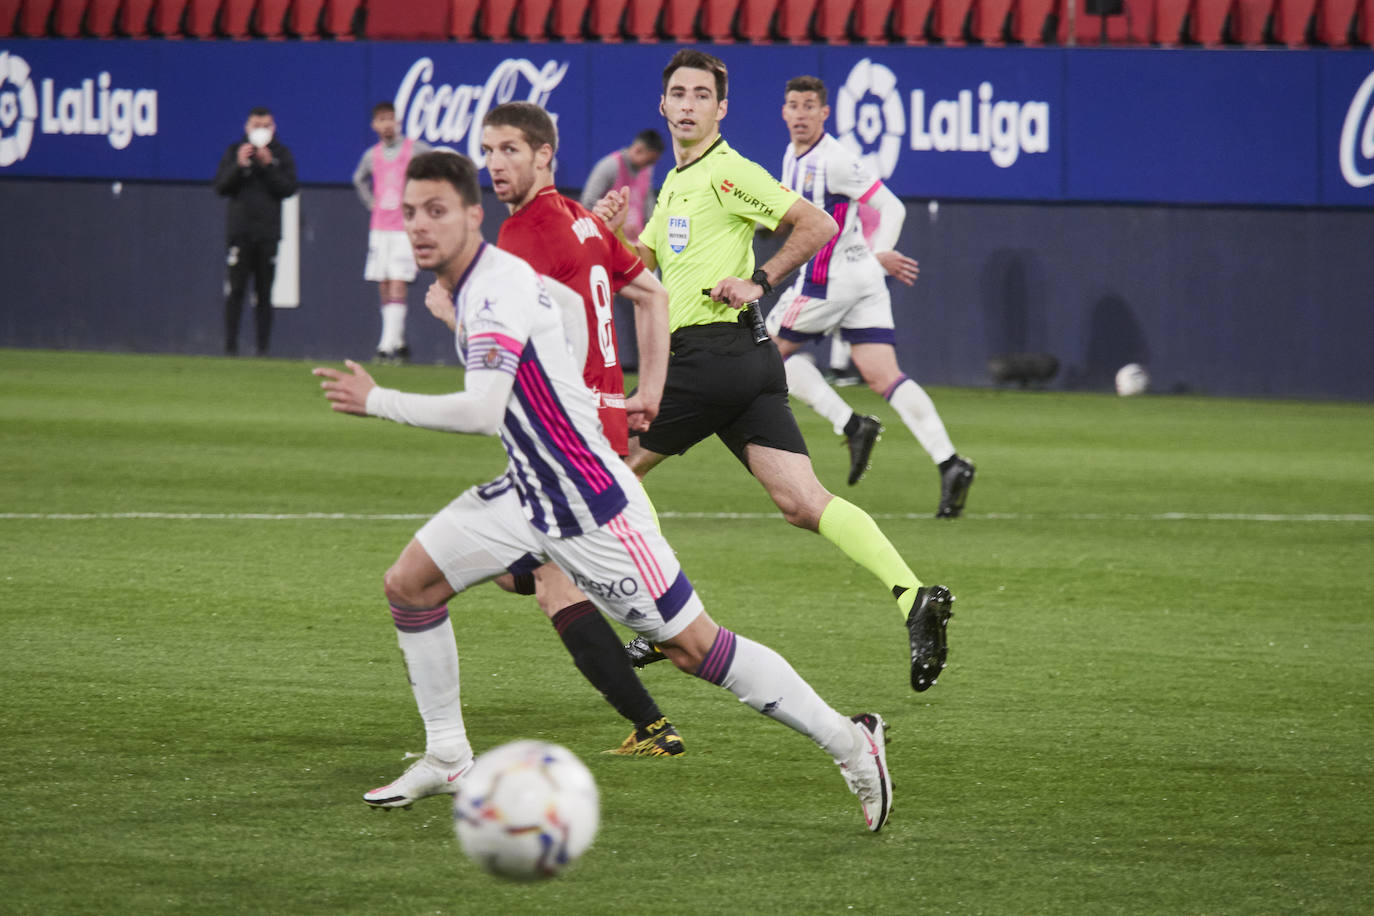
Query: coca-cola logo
column 1357, row 137
column 440, row 113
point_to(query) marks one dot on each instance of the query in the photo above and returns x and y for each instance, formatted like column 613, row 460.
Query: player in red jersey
column 563, row 240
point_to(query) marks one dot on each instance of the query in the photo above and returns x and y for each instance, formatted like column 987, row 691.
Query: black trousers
column 255, row 258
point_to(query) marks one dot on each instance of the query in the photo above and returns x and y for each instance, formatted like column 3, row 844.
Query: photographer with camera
column 256, row 173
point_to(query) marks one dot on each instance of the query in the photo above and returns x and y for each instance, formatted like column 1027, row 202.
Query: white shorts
column 862, row 311
column 625, row 567
column 389, row 256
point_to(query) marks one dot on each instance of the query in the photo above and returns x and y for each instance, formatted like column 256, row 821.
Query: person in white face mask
column 257, row 172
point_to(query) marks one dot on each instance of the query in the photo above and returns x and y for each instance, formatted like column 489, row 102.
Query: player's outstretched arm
column 480, row 408
column 650, row 300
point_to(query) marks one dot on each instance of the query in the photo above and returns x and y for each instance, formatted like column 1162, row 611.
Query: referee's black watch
column 761, row 279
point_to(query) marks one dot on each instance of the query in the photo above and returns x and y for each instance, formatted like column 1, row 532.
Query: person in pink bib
column 379, row 180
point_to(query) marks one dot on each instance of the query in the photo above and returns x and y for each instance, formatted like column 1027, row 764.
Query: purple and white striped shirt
column 837, row 181
column 569, row 478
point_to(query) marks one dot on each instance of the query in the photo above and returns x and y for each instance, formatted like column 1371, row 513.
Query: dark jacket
column 255, row 193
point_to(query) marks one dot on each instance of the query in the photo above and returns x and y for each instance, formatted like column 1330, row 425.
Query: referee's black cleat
column 860, row 434
column 642, row 652
column 956, row 476
column 926, row 627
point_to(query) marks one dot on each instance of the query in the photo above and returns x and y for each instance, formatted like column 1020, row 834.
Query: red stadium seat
column 338, row 17
column 755, row 20
column 794, row 20
column 832, row 20
column 1334, row 21
column 304, row 19
column 641, row 19
column 133, row 18
column 166, row 17
column 1364, row 23
column 269, row 18
column 1170, row 16
column 1250, row 20
column 9, row 17
column 532, row 19
column 909, row 19
column 418, row 20
column 33, row 18
column 604, row 18
column 1134, row 25
column 718, row 20
column 100, row 18
column 871, row 20
column 66, row 18
column 1028, row 20
column 950, row 18
column 1209, row 22
column 679, row 20
column 200, row 18
column 496, row 20
column 1290, row 21
column 989, row 20
column 462, row 21
column 568, row 16
column 235, row 16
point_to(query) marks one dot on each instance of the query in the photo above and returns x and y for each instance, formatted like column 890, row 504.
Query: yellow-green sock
column 853, row 530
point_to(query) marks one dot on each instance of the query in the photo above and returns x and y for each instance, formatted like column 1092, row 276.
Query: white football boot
column 866, row 772
column 427, row 776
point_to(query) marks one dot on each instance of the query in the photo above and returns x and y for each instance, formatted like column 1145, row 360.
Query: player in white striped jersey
column 566, row 496
column 844, row 286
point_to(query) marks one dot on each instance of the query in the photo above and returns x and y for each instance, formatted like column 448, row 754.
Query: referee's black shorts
column 720, row 382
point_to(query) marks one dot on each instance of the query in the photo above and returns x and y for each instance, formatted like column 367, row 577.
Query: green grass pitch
column 1160, row 696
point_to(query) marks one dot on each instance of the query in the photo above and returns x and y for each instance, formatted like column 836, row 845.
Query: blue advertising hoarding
column 953, row 122
column 1130, row 125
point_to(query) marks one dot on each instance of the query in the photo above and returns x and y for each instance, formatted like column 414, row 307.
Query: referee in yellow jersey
column 723, row 378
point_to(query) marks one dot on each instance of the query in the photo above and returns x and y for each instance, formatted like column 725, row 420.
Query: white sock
column 764, row 681
column 393, row 326
column 805, row 381
column 918, row 412
column 432, row 662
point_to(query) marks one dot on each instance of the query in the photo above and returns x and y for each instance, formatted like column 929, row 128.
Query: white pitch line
column 714, row 516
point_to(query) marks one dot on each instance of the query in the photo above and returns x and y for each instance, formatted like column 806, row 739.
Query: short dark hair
column 699, row 60
column 527, row 117
column 260, row 112
column 446, row 165
column 806, row 84
column 381, row 107
column 651, row 139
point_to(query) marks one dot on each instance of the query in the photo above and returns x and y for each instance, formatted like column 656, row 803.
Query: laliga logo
column 18, row 105
column 1353, row 131
column 871, row 120
column 446, row 114
column 119, row 115
column 869, row 105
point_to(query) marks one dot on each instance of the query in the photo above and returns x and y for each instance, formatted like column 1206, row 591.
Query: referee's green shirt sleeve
column 752, row 193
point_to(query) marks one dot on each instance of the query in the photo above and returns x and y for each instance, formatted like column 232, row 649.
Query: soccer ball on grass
column 526, row 810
